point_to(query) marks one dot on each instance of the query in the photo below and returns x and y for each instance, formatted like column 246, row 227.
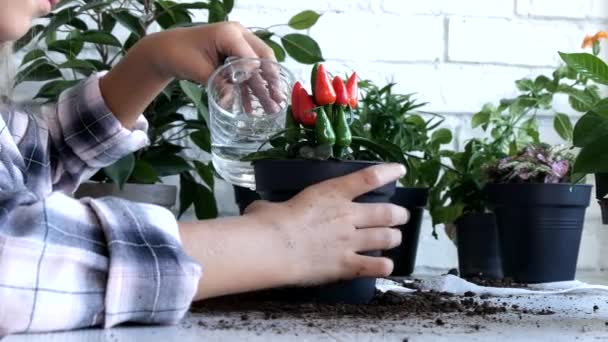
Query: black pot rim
column 319, row 170
column 538, row 194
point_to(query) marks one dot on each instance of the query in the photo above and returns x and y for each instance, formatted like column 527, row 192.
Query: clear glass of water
column 248, row 99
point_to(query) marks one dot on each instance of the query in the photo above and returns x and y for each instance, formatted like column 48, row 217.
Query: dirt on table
column 432, row 309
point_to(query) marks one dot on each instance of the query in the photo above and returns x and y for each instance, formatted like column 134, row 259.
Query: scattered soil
column 431, row 309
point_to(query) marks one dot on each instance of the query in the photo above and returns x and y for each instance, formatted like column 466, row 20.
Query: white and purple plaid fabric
column 65, row 263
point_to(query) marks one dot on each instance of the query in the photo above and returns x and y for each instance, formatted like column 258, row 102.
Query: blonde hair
column 6, row 71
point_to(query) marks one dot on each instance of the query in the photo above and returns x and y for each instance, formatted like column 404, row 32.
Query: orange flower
column 590, row 40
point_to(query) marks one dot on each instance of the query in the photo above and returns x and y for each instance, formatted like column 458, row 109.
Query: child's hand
column 320, row 224
column 184, row 53
column 194, row 53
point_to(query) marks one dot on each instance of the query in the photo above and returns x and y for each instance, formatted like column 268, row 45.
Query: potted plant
column 539, row 212
column 511, row 125
column 591, row 130
column 458, row 199
column 318, row 144
column 83, row 37
column 386, row 115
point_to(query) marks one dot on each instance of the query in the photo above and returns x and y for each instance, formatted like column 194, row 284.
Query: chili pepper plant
column 317, row 144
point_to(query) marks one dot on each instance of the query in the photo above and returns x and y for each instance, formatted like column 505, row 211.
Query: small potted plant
column 539, row 212
column 317, row 144
column 384, row 114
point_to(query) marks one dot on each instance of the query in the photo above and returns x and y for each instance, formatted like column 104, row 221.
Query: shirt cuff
column 91, row 131
column 151, row 279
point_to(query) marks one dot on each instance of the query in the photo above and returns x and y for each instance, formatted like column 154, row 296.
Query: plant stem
column 440, row 163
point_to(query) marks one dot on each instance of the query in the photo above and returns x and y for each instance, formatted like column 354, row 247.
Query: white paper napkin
column 458, row 286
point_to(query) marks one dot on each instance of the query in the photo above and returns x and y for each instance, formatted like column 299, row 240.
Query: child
column 67, row 264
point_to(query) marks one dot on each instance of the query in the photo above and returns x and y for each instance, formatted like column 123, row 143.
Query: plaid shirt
column 65, row 263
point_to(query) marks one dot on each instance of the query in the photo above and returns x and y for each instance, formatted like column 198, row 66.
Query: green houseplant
column 318, row 144
column 386, row 115
column 591, row 130
column 540, row 213
column 84, row 37
column 460, row 201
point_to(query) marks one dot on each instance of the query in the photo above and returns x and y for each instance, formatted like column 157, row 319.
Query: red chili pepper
column 324, row 92
column 308, row 117
column 295, row 103
column 352, row 89
column 340, row 89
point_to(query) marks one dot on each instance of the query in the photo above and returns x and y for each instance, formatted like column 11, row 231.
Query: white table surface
column 574, row 320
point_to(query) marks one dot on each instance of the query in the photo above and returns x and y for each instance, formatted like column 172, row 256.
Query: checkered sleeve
column 68, row 263
column 86, row 135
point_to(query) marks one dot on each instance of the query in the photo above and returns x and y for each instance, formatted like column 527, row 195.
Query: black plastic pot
column 540, row 227
column 280, row 180
column 244, row 197
column 478, row 246
column 404, row 256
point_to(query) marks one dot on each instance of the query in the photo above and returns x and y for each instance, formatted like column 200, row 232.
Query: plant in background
column 538, row 163
column 384, row 115
column 591, row 130
column 511, row 125
column 83, row 37
column 318, row 125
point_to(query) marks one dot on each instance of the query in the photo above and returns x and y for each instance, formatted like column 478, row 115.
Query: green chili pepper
column 292, row 133
column 323, row 129
column 343, row 134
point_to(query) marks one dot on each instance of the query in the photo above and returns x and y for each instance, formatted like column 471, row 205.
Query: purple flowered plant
column 540, row 163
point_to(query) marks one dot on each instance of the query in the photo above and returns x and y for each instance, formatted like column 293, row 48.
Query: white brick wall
column 457, row 55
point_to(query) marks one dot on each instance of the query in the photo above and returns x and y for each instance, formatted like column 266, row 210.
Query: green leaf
column 71, row 48
column 59, row 19
column 39, row 70
column 83, row 67
column 587, row 65
column 273, row 153
column 31, row 34
column 593, row 158
column 144, row 173
column 202, row 139
column 186, row 195
column 441, row 136
column 168, row 165
column 130, row 42
column 228, row 6
column 129, row 21
column 263, row 34
column 205, row 171
column 195, row 94
column 78, row 24
column 204, row 203
column 216, row 12
column 120, row 171
column 279, row 52
column 32, row 55
column 481, row 118
column 525, row 84
column 108, row 22
column 589, row 128
column 99, row 37
column 601, row 107
column 304, row 20
column 563, row 126
column 53, row 89
column 302, row 48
